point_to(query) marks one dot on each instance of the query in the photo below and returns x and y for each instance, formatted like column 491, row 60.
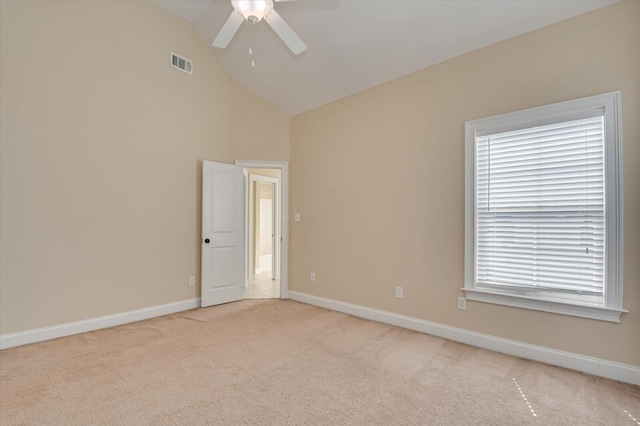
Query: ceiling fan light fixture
column 253, row 10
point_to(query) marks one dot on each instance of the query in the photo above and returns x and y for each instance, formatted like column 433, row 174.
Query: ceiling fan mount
column 254, row 11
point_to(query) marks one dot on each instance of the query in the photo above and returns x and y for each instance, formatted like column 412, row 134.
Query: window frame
column 610, row 103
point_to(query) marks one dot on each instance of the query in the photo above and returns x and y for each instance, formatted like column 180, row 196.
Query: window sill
column 584, row 311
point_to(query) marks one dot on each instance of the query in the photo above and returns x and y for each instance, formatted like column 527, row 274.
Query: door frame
column 276, row 244
column 283, row 166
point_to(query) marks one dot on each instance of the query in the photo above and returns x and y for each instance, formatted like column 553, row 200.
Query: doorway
column 265, row 229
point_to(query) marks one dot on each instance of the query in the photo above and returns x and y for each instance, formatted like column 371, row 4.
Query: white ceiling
column 356, row 44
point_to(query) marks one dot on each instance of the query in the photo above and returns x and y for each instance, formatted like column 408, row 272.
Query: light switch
column 298, row 217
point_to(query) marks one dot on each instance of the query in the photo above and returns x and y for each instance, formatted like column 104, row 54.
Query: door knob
column 206, row 241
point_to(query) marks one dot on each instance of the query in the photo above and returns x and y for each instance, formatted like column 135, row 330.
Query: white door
column 222, row 234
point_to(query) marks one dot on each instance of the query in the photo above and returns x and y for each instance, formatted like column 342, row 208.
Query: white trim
column 610, row 105
column 247, row 198
column 614, row 193
column 276, row 227
column 598, row 367
column 554, row 306
column 284, row 216
column 47, row 333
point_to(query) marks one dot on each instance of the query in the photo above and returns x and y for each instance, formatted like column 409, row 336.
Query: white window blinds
column 539, row 210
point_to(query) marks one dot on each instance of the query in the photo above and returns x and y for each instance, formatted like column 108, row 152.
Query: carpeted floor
column 276, row 362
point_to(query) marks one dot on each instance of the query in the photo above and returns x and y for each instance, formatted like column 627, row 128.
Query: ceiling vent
column 181, row 63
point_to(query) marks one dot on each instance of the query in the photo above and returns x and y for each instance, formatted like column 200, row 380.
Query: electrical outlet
column 192, row 281
column 313, row 277
column 399, row 293
column 462, row 303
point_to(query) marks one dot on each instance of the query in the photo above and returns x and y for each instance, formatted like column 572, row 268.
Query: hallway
column 262, row 287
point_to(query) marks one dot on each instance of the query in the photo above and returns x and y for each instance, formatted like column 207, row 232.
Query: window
column 544, row 208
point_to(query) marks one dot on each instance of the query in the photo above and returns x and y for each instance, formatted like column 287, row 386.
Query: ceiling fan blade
column 285, row 32
column 228, row 30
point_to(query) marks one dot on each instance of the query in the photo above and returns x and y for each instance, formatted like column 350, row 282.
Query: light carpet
column 280, row 362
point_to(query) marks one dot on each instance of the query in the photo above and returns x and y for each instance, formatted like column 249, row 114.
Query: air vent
column 181, row 63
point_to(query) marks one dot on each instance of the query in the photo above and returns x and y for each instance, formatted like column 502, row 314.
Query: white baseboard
column 598, row 367
column 61, row 330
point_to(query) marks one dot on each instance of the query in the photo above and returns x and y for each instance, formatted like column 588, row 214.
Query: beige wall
column 379, row 180
column 263, row 129
column 101, row 151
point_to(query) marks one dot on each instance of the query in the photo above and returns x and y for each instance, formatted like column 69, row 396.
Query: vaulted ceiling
column 356, row 44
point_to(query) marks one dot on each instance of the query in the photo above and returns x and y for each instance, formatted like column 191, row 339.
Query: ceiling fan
column 254, row 11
